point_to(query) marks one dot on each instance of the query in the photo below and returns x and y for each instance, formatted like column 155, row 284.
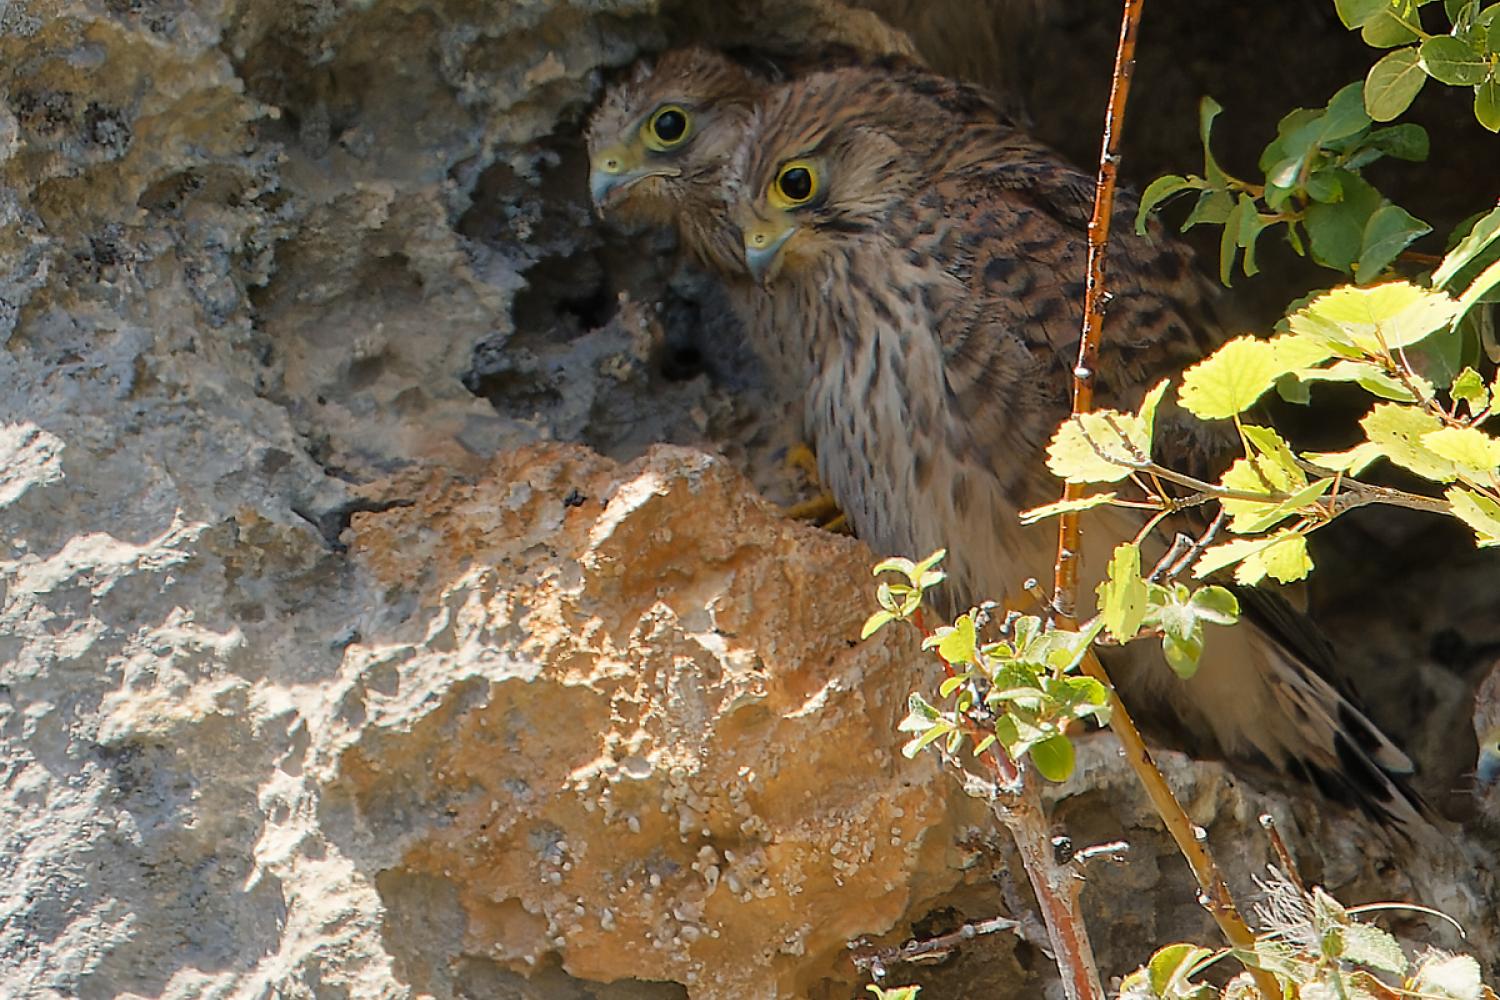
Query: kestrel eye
column 668, row 127
column 797, row 183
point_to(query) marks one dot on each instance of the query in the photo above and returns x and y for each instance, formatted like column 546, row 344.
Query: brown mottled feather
column 930, row 299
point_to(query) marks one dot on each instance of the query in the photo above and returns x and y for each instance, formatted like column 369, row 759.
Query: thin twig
column 1288, row 866
column 877, row 960
column 1069, row 548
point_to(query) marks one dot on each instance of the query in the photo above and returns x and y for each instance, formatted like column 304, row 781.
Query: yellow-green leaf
column 1088, row 448
column 1282, row 556
column 1287, row 560
column 1147, row 413
column 1398, row 431
column 1351, row 462
column 1229, row 381
column 1294, row 352
column 1470, row 388
column 1036, row 514
column 1475, row 454
column 1478, row 512
column 1377, row 318
column 1122, row 597
column 958, row 646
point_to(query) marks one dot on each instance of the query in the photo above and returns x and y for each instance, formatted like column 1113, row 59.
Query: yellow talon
column 822, row 509
column 800, row 456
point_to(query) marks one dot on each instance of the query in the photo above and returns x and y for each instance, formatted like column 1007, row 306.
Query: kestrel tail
column 925, row 271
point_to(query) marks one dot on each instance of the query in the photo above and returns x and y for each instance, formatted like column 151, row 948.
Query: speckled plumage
column 929, row 299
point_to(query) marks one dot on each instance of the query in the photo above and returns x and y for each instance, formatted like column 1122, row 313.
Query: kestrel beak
column 615, row 170
column 763, row 243
column 1487, row 769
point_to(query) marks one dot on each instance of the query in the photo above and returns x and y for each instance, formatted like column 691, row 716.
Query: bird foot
column 821, row 510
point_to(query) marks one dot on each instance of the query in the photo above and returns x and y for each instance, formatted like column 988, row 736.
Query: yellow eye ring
column 795, row 185
column 668, row 127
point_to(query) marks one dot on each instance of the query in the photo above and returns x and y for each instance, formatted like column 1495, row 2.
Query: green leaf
column 1216, row 605
column 1354, row 13
column 1387, row 29
column 1229, row 381
column 1455, row 977
column 1208, row 110
column 1390, row 230
column 1451, row 60
column 1147, row 412
column 1229, row 240
column 1346, row 115
column 1478, row 512
column 1474, row 454
column 1157, row 192
column 1368, row 945
column 1485, row 231
column 1045, row 511
column 1398, row 432
column 1469, row 387
column 1477, row 292
column 1393, row 83
column 1404, row 142
column 1182, row 655
column 1171, row 968
column 1487, row 100
column 1213, row 206
column 1337, row 229
column 1088, row 448
column 1054, row 757
column 1372, row 378
column 1252, row 224
column 1122, row 596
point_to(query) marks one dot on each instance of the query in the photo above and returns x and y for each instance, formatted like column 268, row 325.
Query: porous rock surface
column 326, row 671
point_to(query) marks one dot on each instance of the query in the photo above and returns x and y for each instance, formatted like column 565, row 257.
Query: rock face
column 354, row 639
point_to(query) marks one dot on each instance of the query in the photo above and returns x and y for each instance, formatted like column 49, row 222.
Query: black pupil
column 796, row 184
column 670, row 125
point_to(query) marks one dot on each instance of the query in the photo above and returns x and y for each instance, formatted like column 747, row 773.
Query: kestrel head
column 659, row 142
column 826, row 160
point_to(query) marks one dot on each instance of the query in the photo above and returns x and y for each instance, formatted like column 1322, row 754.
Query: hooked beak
column 612, row 173
column 763, row 250
column 1487, row 769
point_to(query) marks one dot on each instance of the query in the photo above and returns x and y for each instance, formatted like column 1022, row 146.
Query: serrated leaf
column 1088, row 448
column 1398, row 432
column 1371, row 378
column 1485, row 231
column 1228, row 382
column 1393, row 83
column 1368, row 945
column 1283, row 556
column 1045, row 511
column 1054, row 757
column 1157, row 192
column 1122, row 596
column 1455, row 977
column 1287, row 561
column 1475, row 454
column 1454, row 61
column 1351, row 462
column 1469, row 388
column 1390, row 230
column 958, row 645
column 1478, row 512
column 1375, row 319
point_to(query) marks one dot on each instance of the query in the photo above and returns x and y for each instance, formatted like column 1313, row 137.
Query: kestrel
column 661, row 141
column 925, row 272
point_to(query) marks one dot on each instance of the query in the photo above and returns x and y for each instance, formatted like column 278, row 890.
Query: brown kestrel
column 925, row 275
